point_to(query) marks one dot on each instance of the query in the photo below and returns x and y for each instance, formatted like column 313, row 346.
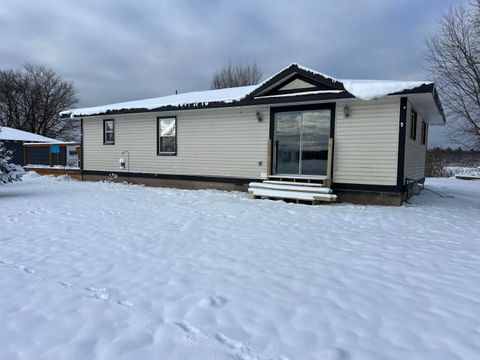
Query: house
column 39, row 153
column 13, row 139
column 361, row 141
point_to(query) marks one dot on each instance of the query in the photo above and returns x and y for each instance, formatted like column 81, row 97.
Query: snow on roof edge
column 361, row 89
column 8, row 133
column 194, row 98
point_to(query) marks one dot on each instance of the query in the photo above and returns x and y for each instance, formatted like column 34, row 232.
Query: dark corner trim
column 81, row 147
column 215, row 179
column 271, row 134
column 332, row 136
column 401, row 143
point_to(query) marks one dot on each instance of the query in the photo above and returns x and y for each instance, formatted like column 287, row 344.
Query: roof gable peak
column 292, row 78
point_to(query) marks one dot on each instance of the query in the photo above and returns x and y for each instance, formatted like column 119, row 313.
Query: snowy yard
column 109, row 271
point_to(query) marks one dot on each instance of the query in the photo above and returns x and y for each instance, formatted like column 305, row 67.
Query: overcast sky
column 117, row 50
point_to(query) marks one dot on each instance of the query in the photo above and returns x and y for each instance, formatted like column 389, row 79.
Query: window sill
column 167, row 154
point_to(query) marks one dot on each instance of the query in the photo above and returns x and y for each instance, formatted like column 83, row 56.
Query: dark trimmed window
column 424, row 133
column 413, row 125
column 108, row 132
column 167, row 135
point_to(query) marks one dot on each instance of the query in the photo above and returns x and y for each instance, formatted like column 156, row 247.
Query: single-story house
column 363, row 140
column 13, row 139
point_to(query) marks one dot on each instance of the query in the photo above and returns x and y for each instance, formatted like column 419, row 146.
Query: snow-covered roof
column 361, row 89
column 373, row 89
column 8, row 133
column 196, row 98
column 55, row 142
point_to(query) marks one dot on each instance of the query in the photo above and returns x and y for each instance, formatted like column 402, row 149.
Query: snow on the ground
column 463, row 170
column 110, row 271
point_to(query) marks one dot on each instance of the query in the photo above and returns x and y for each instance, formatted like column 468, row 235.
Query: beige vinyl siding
column 366, row 142
column 415, row 151
column 297, row 84
column 217, row 142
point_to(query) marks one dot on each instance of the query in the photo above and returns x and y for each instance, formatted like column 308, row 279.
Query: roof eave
column 428, row 89
column 249, row 101
column 216, row 105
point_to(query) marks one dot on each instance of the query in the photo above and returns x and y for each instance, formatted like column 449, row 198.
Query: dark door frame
column 274, row 110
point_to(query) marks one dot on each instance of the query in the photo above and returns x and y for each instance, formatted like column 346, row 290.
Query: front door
column 301, row 142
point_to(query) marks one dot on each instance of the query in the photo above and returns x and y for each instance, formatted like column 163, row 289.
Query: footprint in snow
column 103, row 294
column 23, row 268
column 192, row 334
column 26, row 269
column 125, row 303
column 98, row 293
column 333, row 354
column 217, row 301
column 238, row 349
column 213, row 301
column 65, row 284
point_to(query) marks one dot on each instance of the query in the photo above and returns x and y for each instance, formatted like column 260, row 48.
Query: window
column 167, row 136
column 413, row 125
column 108, row 132
column 424, row 133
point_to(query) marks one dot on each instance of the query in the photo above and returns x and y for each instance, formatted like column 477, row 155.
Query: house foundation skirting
column 375, row 197
column 173, row 181
column 370, row 197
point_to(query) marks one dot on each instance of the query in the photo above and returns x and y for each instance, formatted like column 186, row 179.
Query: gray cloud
column 123, row 50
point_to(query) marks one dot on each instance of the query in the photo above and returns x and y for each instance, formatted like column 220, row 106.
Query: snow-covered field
column 109, row 271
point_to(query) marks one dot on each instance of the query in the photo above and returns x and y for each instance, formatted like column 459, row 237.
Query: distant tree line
column 439, row 159
column 32, row 98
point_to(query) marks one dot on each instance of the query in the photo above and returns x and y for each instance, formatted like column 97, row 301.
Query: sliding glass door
column 301, row 142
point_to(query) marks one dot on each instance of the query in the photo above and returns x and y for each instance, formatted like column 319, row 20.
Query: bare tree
column 453, row 57
column 32, row 98
column 236, row 75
